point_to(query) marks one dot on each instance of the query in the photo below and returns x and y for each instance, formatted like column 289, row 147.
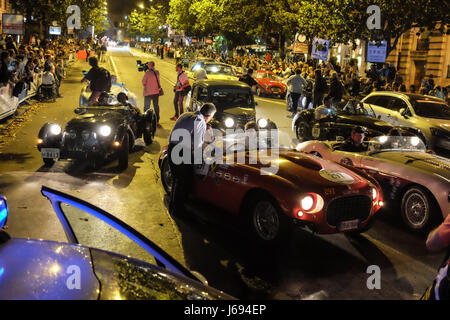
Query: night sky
column 123, row 7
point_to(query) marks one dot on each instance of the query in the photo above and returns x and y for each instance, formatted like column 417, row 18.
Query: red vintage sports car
column 305, row 191
column 273, row 85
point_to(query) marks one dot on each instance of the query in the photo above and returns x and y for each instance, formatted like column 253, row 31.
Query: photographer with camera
column 152, row 88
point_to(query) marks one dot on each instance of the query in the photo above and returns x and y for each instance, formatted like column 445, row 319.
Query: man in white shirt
column 181, row 163
column 295, row 84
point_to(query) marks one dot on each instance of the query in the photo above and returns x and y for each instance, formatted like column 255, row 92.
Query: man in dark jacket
column 336, row 88
column 320, row 88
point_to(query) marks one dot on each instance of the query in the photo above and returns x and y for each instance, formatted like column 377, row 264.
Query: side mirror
column 79, row 110
column 403, row 113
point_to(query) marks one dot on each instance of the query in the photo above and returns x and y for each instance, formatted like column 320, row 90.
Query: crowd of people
column 341, row 80
column 21, row 62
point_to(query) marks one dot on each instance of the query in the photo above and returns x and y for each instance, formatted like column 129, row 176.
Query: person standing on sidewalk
column 181, row 89
column 152, row 87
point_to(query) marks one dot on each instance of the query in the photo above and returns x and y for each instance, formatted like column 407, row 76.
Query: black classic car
column 234, row 102
column 99, row 133
column 339, row 122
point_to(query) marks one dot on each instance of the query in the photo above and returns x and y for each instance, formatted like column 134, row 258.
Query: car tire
column 268, row 224
column 302, row 130
column 123, row 152
column 419, row 209
column 49, row 162
column 148, row 133
column 166, row 175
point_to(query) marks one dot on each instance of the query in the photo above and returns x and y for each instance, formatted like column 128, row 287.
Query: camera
column 142, row 67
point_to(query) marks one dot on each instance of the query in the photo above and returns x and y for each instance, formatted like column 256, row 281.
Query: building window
column 448, row 71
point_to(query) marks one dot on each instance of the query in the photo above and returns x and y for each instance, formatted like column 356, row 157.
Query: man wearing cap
column 187, row 136
column 355, row 143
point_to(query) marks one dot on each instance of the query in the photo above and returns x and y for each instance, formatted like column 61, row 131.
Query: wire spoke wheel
column 417, row 209
column 266, row 220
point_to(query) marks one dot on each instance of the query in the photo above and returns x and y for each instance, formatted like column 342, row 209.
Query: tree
column 147, row 22
column 343, row 21
column 45, row 12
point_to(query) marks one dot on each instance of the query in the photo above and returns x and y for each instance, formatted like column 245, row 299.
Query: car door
column 380, row 105
column 191, row 99
column 392, row 111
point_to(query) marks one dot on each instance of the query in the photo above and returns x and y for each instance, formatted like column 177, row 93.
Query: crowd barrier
column 9, row 103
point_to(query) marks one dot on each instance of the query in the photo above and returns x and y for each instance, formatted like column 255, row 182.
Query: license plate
column 349, row 225
column 52, row 153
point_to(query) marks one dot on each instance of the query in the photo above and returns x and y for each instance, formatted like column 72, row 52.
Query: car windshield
column 219, row 69
column 354, row 107
column 267, row 75
column 226, row 98
column 432, row 109
column 396, row 143
column 252, row 140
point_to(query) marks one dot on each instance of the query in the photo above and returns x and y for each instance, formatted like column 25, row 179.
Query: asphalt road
column 308, row 266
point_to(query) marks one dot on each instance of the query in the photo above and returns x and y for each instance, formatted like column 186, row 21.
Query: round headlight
column 105, row 131
column 262, row 123
column 383, row 139
column 374, row 193
column 307, row 203
column 229, row 122
column 55, row 129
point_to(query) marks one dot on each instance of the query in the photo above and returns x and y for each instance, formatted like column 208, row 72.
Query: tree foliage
column 147, row 22
column 340, row 21
column 45, row 12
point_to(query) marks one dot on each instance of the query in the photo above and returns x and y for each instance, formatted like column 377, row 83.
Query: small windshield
column 252, row 140
column 268, row 75
column 219, row 69
column 396, row 143
column 354, row 107
column 226, row 98
column 432, row 109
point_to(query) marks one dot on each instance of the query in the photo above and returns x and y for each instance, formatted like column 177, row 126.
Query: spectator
column 336, row 88
column 151, row 83
column 181, row 89
column 319, row 89
column 295, row 84
column 437, row 92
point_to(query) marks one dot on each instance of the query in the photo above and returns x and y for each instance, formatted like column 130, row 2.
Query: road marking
column 114, row 66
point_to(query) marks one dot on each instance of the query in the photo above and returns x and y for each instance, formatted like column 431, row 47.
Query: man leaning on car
column 182, row 173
